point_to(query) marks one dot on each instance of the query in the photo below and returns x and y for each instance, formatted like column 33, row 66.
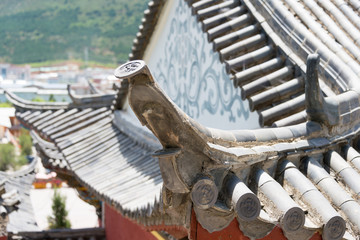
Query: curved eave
column 23, row 104
column 50, row 155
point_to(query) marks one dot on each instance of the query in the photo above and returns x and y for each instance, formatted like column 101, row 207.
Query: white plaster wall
column 185, row 66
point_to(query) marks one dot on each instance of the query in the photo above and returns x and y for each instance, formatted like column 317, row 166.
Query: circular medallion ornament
column 248, row 207
column 204, row 193
column 293, row 219
column 334, row 229
column 129, row 69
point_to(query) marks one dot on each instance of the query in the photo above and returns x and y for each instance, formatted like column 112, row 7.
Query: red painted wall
column 232, row 232
column 119, row 228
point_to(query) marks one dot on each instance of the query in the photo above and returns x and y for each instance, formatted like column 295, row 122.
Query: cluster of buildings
column 46, row 84
column 233, row 120
column 43, row 82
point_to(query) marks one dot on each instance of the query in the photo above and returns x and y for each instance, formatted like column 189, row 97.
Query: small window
column 3, row 72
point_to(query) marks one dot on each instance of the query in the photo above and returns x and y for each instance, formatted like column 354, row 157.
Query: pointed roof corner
column 153, row 107
column 318, row 108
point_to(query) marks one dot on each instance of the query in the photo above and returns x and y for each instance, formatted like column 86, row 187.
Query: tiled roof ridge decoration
column 256, row 51
column 243, row 34
column 233, row 170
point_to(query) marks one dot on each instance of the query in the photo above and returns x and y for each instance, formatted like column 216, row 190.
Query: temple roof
column 301, row 174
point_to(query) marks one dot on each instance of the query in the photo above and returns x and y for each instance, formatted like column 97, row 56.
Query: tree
column 25, row 143
column 59, row 212
column 52, row 98
column 6, row 104
column 38, row 99
column 7, row 156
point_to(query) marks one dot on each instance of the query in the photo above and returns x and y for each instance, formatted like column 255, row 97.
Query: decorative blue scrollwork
column 191, row 74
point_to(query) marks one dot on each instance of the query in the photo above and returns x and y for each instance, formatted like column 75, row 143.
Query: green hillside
column 48, row 30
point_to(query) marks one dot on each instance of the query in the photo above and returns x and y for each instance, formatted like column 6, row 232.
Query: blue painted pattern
column 191, row 74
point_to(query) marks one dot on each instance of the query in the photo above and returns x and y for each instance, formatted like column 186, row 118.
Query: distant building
column 10, row 128
column 30, row 90
column 66, row 67
column 14, row 72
